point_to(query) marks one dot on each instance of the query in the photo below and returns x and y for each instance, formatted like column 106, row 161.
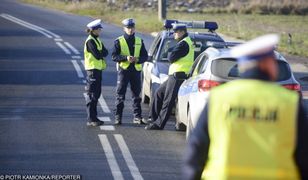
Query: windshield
column 169, row 43
column 227, row 69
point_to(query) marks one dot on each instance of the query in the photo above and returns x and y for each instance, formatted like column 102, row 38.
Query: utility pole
column 162, row 10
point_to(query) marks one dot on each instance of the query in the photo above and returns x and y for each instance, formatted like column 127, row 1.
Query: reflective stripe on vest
column 125, row 52
column 252, row 130
column 183, row 64
column 90, row 61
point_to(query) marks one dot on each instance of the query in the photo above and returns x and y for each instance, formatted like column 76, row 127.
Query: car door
column 188, row 87
column 148, row 65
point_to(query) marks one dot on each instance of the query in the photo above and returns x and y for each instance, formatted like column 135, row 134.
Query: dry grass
column 242, row 26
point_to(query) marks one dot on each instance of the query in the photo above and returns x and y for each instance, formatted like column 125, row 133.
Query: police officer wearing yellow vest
column 129, row 52
column 94, row 57
column 181, row 59
column 253, row 128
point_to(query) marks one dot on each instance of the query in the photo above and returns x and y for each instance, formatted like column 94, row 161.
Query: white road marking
column 107, row 128
column 85, row 96
column 77, row 68
column 128, row 157
column 103, row 104
column 72, row 47
column 114, row 167
column 104, row 118
column 29, row 25
column 58, row 39
column 25, row 25
column 63, row 48
column 76, row 57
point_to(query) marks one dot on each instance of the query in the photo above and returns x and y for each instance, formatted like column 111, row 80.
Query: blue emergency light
column 212, row 26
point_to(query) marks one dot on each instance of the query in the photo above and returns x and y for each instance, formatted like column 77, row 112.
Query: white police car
column 212, row 68
column 155, row 70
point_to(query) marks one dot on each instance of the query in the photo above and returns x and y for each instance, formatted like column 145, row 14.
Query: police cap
column 178, row 26
column 96, row 24
column 256, row 49
column 129, row 23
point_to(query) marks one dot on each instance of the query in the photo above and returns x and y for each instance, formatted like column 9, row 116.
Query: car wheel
column 189, row 124
column 144, row 98
column 179, row 126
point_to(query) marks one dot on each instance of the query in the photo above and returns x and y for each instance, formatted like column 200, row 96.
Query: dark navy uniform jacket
column 130, row 39
column 180, row 50
column 199, row 142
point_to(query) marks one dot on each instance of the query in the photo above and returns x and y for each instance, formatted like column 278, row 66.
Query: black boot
column 118, row 120
column 153, row 126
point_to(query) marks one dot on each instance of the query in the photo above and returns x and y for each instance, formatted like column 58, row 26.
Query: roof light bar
column 212, row 26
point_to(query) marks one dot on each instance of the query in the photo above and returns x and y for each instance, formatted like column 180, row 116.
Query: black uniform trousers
column 164, row 100
column 133, row 77
column 93, row 90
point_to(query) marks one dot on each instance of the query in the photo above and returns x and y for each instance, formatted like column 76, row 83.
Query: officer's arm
column 116, row 56
column 143, row 54
column 197, row 149
column 104, row 52
column 92, row 48
column 301, row 150
column 179, row 51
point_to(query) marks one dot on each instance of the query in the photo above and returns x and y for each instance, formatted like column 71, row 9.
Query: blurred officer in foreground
column 253, row 128
column 181, row 60
column 129, row 52
column 94, row 57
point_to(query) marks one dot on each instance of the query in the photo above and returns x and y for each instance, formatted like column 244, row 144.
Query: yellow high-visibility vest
column 184, row 64
column 252, row 131
column 90, row 61
column 125, row 52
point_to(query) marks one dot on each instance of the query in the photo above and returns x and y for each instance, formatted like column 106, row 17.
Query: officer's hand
column 131, row 59
column 134, row 59
column 128, row 58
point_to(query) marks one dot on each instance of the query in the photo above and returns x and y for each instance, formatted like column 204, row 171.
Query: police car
column 155, row 70
column 212, row 68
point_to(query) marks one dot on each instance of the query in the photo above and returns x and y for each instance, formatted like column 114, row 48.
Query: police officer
column 181, row 59
column 129, row 52
column 252, row 127
column 94, row 57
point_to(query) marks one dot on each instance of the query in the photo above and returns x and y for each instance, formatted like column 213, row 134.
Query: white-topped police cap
column 96, row 24
column 179, row 26
column 256, row 49
column 129, row 22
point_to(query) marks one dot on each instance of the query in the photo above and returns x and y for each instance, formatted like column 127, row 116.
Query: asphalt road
column 42, row 107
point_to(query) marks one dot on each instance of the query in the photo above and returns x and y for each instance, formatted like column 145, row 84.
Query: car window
column 168, row 44
column 225, row 68
column 200, row 66
column 156, row 50
column 284, row 71
column 195, row 64
column 154, row 44
column 228, row 69
column 167, row 47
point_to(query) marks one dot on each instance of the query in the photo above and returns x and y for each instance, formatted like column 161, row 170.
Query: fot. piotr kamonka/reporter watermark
column 39, row 177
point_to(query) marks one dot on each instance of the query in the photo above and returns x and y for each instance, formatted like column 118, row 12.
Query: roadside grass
column 240, row 26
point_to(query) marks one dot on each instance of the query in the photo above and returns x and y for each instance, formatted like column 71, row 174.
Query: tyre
column 144, row 98
column 179, row 126
column 189, row 124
